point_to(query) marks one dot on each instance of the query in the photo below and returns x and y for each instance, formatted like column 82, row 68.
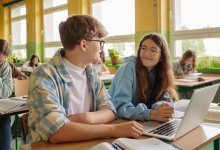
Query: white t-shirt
column 81, row 95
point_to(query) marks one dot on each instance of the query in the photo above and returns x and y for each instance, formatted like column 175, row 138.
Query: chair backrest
column 21, row 87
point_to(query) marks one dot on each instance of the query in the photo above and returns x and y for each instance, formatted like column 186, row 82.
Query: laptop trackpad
column 150, row 125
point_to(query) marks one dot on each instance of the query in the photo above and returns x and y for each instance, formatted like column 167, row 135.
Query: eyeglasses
column 101, row 43
column 152, row 51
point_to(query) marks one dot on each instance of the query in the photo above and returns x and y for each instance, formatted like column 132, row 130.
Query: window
column 196, row 28
column 19, row 30
column 55, row 11
column 120, row 24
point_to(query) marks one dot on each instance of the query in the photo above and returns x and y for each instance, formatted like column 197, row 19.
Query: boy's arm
column 97, row 117
column 73, row 131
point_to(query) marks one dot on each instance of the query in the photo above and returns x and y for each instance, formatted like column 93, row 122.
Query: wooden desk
column 107, row 79
column 195, row 139
column 27, row 70
column 209, row 78
column 16, row 112
column 186, row 88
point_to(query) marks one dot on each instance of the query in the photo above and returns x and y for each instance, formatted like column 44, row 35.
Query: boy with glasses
column 67, row 100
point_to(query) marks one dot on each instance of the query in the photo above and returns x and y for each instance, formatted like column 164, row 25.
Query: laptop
column 194, row 116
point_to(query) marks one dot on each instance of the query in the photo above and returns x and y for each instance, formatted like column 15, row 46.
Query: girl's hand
column 162, row 113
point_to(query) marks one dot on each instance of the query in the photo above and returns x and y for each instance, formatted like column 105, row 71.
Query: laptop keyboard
column 167, row 129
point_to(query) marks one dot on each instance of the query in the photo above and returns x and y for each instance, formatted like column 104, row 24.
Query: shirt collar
column 62, row 70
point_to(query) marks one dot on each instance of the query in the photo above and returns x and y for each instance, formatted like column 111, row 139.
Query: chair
column 21, row 87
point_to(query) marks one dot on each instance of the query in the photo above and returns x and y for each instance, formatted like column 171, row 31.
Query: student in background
column 143, row 86
column 186, row 65
column 100, row 66
column 67, row 101
column 34, row 62
column 6, row 88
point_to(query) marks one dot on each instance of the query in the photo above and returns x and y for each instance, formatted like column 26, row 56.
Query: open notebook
column 190, row 78
column 135, row 144
column 12, row 104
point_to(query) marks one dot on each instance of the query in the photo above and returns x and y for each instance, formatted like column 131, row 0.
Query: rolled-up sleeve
column 103, row 99
column 122, row 98
column 166, row 99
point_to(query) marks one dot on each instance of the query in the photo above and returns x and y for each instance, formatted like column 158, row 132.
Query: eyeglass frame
column 101, row 42
column 151, row 51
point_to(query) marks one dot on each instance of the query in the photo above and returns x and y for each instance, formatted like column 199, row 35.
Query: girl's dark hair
column 31, row 61
column 4, row 47
column 189, row 54
column 164, row 79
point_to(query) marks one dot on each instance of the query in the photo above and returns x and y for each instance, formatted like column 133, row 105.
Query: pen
column 120, row 146
column 115, row 146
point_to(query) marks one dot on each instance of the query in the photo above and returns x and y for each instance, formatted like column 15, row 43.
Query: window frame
column 188, row 34
column 118, row 38
column 47, row 11
column 18, row 47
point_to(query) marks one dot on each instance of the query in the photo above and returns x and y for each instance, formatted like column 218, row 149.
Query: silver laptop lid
column 197, row 109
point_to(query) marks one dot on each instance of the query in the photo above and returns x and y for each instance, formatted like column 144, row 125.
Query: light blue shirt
column 123, row 93
column 50, row 94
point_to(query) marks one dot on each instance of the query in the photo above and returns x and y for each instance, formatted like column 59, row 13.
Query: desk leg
column 16, row 131
column 216, row 144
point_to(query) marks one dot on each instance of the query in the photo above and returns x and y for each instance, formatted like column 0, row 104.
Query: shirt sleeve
column 6, row 84
column 47, row 114
column 122, row 99
column 103, row 99
column 166, row 99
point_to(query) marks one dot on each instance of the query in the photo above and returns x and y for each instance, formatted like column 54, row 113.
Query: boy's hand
column 128, row 129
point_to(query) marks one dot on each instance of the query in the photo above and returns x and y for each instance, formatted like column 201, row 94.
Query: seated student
column 16, row 73
column 186, row 65
column 34, row 62
column 100, row 66
column 6, row 88
column 67, row 100
column 143, row 86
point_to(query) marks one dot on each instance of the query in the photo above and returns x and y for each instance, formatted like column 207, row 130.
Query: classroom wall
column 151, row 16
column 5, row 21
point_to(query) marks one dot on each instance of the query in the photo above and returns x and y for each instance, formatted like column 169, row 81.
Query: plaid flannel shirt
column 50, row 94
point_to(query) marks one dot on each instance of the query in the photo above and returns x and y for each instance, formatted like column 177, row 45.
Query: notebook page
column 143, row 144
